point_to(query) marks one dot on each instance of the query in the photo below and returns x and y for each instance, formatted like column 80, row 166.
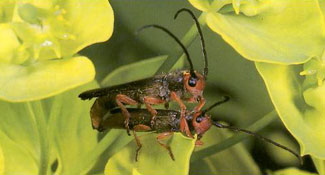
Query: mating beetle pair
column 176, row 86
column 109, row 111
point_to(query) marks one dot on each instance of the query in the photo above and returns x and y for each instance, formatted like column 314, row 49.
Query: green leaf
column 285, row 32
column 301, row 111
column 19, row 138
column 187, row 40
column 292, row 170
column 278, row 155
column 152, row 155
column 135, row 71
column 231, row 141
column 70, row 128
column 2, row 162
column 43, row 79
column 35, row 134
column 236, row 160
column 29, row 132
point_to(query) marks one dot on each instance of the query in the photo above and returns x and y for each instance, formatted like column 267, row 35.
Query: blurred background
column 229, row 73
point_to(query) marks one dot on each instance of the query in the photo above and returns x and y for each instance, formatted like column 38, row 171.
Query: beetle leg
column 198, row 141
column 200, row 105
column 183, row 123
column 120, row 99
column 163, row 136
column 194, row 100
column 137, row 140
column 142, row 128
column 148, row 101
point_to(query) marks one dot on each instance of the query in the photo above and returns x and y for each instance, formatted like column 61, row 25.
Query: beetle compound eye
column 192, row 82
column 199, row 119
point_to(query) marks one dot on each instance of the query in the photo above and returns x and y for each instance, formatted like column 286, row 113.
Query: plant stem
column 256, row 126
column 187, row 40
column 42, row 131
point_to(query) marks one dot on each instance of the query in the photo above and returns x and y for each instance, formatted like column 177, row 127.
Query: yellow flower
column 281, row 37
column 39, row 43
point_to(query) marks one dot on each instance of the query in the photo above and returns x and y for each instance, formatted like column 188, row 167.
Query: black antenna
column 176, row 39
column 205, row 73
column 219, row 125
column 225, row 99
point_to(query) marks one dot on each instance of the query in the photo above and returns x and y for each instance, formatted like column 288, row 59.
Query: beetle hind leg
column 163, row 136
column 120, row 99
column 139, row 145
column 148, row 101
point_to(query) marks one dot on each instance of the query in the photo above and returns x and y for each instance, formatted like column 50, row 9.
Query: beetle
column 178, row 86
column 167, row 122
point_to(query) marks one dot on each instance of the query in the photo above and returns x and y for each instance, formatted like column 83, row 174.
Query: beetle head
column 194, row 84
column 201, row 122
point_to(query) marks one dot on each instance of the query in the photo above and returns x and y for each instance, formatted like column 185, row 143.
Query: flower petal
column 44, row 78
column 302, row 112
column 9, row 44
column 285, row 32
column 90, row 22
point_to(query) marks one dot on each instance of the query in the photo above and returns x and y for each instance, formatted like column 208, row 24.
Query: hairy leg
column 183, row 123
column 120, row 99
column 163, row 136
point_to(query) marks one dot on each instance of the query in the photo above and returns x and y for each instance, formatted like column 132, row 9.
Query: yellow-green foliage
column 45, row 128
column 286, row 40
column 39, row 43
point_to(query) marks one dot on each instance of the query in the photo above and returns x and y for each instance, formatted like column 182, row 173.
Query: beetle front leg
column 200, row 105
column 183, row 123
column 148, row 101
column 120, row 99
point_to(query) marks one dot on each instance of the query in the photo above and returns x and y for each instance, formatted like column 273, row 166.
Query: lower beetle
column 167, row 122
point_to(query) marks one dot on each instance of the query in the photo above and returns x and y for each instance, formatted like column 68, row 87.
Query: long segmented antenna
column 219, row 125
column 225, row 99
column 176, row 39
column 205, row 73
